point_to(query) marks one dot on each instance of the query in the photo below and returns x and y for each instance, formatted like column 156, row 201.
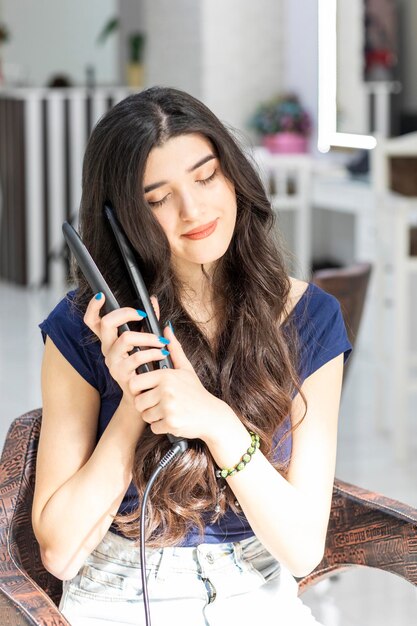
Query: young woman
column 256, row 354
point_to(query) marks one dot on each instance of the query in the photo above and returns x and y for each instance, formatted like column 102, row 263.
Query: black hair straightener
column 97, row 283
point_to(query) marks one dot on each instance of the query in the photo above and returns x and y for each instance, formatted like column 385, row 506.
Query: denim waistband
column 118, row 549
column 206, row 584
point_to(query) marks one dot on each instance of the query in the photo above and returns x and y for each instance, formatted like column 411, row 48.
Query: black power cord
column 176, row 448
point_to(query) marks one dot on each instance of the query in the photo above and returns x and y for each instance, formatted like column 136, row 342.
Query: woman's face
column 192, row 200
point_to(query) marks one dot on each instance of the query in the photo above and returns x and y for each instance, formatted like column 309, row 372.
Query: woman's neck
column 197, row 297
column 197, row 300
column 196, row 287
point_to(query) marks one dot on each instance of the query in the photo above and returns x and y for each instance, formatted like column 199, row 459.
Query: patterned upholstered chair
column 365, row 529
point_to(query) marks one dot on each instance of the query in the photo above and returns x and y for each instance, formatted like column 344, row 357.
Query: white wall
column 242, row 61
column 300, row 45
column 50, row 37
column 173, row 47
column 225, row 53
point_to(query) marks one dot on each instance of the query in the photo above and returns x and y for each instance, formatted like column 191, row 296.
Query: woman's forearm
column 287, row 521
column 79, row 513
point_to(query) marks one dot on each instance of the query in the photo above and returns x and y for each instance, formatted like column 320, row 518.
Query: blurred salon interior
column 323, row 96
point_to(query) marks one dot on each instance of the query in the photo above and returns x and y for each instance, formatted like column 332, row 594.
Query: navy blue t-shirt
column 322, row 336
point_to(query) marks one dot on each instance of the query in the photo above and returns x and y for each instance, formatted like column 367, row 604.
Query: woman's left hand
column 175, row 401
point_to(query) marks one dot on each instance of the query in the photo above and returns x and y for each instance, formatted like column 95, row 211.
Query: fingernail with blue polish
column 141, row 313
column 163, row 340
column 98, row 296
column 172, row 330
column 165, row 352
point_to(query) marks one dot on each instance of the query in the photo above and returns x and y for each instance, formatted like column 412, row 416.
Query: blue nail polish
column 165, row 352
column 164, row 341
column 98, row 296
column 170, row 325
column 141, row 313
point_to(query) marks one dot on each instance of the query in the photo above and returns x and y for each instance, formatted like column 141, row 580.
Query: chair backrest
column 349, row 285
column 19, row 550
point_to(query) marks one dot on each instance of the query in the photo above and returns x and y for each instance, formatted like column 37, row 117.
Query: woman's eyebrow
column 205, row 159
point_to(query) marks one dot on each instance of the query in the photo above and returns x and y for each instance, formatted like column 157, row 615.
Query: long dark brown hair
column 250, row 283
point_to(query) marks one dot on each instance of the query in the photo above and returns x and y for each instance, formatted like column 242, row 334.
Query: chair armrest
column 367, row 529
column 23, row 600
column 29, row 606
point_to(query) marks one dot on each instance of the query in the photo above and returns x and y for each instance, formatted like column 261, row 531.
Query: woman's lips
column 205, row 231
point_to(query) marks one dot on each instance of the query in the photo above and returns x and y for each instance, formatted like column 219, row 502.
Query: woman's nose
column 189, row 205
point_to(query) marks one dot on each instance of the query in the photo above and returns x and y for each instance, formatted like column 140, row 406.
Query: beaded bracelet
column 226, row 472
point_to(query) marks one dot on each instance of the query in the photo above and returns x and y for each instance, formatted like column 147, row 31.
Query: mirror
column 341, row 85
column 366, row 71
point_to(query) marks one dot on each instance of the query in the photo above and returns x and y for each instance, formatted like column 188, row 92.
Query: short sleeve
column 66, row 328
column 323, row 334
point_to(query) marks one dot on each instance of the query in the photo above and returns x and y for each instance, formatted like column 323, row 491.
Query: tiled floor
column 365, row 456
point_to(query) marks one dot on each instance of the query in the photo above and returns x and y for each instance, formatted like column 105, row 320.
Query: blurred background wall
column 49, row 38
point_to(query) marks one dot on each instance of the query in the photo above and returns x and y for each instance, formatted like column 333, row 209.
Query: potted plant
column 135, row 67
column 4, row 37
column 136, row 46
column 283, row 124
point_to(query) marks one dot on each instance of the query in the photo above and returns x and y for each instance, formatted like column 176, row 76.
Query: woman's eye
column 158, row 203
column 207, row 180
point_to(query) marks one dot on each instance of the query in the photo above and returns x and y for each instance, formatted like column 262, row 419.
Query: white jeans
column 210, row 585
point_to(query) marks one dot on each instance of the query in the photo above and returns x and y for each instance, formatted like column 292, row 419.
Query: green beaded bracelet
column 226, row 472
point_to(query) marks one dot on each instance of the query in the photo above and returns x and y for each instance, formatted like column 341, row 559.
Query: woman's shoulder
column 66, row 316
column 67, row 307
column 297, row 292
column 318, row 319
column 66, row 328
column 307, row 299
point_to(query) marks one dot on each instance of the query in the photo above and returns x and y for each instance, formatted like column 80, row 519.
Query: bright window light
column 327, row 99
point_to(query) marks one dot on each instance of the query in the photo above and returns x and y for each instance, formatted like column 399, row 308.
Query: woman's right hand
column 122, row 365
